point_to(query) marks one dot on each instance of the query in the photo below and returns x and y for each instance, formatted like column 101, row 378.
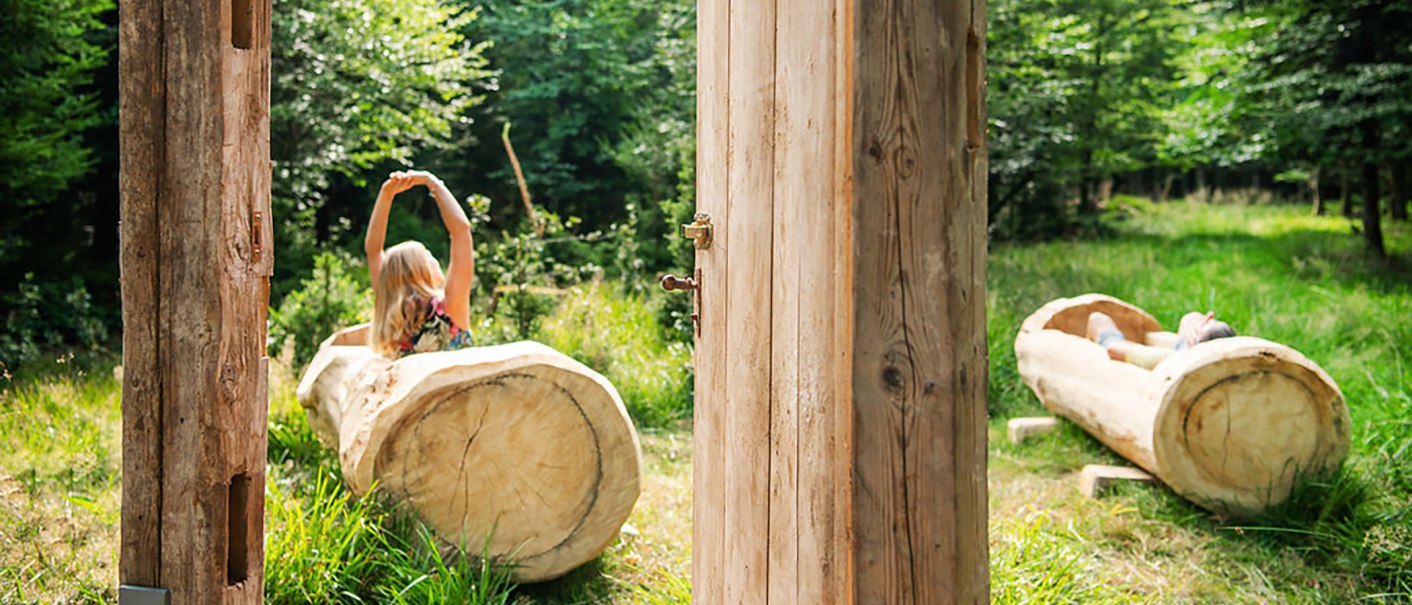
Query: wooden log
column 515, row 451
column 1230, row 424
column 1095, row 480
column 1021, row 430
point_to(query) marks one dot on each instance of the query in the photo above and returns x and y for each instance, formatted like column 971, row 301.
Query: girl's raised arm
column 461, row 270
column 396, row 183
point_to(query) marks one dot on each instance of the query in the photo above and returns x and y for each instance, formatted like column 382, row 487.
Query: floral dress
column 437, row 333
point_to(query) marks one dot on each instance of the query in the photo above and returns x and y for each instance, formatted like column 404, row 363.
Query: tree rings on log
column 515, row 449
column 1230, row 424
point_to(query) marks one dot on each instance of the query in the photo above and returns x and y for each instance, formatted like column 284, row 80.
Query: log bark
column 514, row 451
column 1230, row 424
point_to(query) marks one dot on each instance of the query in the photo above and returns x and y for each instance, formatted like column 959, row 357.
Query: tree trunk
column 1167, row 187
column 513, row 449
column 1231, row 424
column 1372, row 210
column 1398, row 170
column 1088, row 206
column 1314, row 189
column 1345, row 195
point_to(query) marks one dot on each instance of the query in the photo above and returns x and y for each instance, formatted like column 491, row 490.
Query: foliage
column 43, row 317
column 335, row 296
column 572, row 74
column 520, row 274
column 49, row 51
column 615, row 333
column 1075, row 91
column 358, row 84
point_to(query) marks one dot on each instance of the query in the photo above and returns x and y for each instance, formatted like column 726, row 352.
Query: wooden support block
column 1097, row 479
column 1021, row 429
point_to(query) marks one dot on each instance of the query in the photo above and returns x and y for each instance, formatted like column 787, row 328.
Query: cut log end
column 514, row 450
column 1241, row 428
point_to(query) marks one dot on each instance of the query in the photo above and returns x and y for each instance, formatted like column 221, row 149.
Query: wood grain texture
column 808, row 547
column 193, row 494
column 712, row 176
column 196, row 168
column 919, row 367
column 142, row 109
column 515, row 448
column 748, row 307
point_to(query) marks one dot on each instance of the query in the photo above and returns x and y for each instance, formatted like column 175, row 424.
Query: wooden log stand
column 1230, row 424
column 196, row 258
column 513, row 451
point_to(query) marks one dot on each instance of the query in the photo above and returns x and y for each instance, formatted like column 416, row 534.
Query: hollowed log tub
column 1230, row 424
column 515, row 451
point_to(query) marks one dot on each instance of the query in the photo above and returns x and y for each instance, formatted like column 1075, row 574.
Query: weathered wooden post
column 841, row 358
column 196, row 260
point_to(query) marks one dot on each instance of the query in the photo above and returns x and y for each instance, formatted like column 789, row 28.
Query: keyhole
column 238, row 530
column 242, row 23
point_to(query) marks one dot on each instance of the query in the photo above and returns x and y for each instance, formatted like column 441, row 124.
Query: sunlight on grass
column 59, row 486
column 1275, row 272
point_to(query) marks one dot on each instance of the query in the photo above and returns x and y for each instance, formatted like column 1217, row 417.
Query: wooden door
column 841, row 370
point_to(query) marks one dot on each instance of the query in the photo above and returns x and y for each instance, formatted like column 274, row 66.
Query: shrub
column 335, row 296
column 42, row 316
column 616, row 334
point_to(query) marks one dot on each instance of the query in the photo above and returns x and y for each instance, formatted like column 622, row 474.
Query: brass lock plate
column 699, row 231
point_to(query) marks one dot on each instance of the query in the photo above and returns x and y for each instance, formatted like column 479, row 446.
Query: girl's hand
column 420, row 177
column 398, row 182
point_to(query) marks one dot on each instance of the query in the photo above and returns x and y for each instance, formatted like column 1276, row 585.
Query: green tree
column 1331, row 86
column 572, row 76
column 1076, row 94
column 49, row 51
column 358, row 85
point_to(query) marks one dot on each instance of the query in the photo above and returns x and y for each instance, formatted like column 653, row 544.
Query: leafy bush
column 335, row 296
column 616, row 334
column 520, row 274
column 47, row 315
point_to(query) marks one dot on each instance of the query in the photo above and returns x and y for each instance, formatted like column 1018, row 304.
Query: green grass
column 1272, row 271
column 60, row 432
column 615, row 333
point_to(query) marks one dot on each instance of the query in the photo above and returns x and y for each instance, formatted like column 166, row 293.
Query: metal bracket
column 257, row 236
column 699, row 231
column 143, row 595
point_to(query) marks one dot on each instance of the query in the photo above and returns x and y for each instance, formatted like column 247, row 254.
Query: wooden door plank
column 142, row 109
column 807, row 93
column 712, row 176
column 751, row 212
column 919, row 335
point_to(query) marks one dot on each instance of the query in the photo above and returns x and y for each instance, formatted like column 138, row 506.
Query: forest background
column 1168, row 151
column 1087, row 99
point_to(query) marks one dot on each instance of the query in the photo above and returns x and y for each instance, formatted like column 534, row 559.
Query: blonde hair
column 409, row 279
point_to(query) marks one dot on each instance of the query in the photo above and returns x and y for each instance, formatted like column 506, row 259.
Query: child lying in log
column 416, row 307
column 1194, row 328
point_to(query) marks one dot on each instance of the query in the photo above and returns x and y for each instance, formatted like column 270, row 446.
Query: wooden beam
column 919, row 366
column 196, row 263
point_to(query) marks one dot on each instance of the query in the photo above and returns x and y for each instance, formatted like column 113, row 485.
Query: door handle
column 671, row 282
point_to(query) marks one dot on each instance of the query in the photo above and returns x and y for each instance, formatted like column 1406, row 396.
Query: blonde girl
column 416, row 307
